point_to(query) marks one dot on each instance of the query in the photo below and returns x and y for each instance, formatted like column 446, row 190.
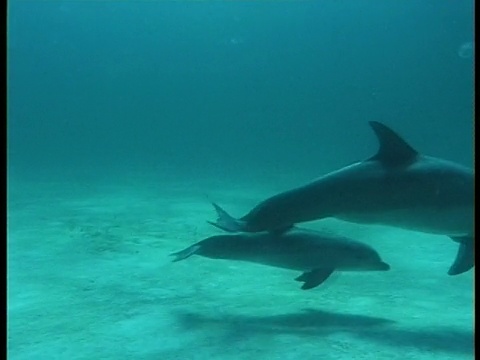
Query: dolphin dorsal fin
column 393, row 150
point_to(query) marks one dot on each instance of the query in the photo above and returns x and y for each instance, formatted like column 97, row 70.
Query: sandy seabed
column 89, row 277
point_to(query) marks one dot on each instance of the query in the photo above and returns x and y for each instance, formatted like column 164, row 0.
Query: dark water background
column 231, row 88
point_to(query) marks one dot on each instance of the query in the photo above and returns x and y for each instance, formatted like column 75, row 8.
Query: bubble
column 465, row 51
column 237, row 40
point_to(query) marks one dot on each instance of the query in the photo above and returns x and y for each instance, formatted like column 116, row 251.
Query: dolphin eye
column 360, row 256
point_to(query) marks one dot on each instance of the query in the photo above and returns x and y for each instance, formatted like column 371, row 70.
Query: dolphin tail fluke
column 226, row 222
column 186, row 253
column 465, row 256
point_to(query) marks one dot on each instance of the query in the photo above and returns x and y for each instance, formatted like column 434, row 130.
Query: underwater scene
column 227, row 179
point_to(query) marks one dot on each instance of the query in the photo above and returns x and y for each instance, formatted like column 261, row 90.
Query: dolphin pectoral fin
column 183, row 254
column 464, row 260
column 314, row 278
column 226, row 222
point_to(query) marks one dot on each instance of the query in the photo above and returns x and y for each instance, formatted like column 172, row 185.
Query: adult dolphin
column 397, row 186
column 316, row 254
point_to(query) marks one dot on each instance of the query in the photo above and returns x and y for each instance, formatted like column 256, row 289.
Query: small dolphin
column 397, row 187
column 316, row 254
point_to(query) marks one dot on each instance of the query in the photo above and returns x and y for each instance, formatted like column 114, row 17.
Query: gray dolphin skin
column 317, row 255
column 397, row 186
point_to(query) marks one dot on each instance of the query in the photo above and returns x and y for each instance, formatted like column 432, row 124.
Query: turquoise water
column 126, row 119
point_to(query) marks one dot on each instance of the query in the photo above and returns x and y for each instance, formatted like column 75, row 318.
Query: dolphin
column 398, row 186
column 317, row 255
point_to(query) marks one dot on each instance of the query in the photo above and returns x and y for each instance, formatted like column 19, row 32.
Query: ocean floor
column 89, row 277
